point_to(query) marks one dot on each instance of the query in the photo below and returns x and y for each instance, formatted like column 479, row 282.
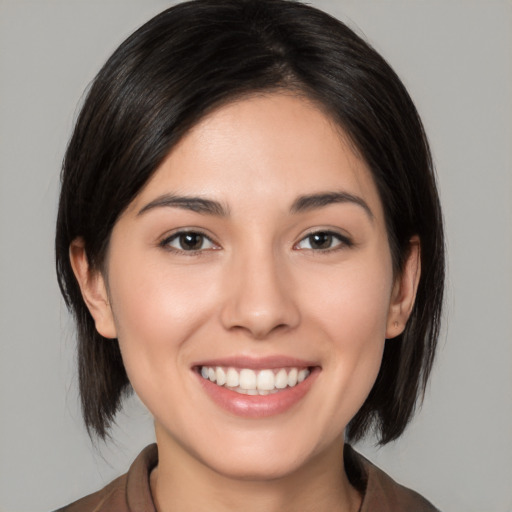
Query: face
column 250, row 286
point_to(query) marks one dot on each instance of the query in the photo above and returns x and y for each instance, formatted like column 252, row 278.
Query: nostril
column 259, row 330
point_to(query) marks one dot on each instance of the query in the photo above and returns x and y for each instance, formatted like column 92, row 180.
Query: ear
column 94, row 291
column 404, row 291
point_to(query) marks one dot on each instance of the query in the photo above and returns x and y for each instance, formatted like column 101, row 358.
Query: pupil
column 191, row 241
column 321, row 241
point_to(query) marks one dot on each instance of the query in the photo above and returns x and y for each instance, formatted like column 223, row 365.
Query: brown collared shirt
column 132, row 492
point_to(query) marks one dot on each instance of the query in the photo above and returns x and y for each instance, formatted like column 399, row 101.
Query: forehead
column 274, row 146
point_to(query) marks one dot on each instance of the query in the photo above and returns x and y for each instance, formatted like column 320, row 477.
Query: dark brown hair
column 189, row 60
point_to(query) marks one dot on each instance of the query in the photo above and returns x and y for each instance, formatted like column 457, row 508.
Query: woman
column 249, row 235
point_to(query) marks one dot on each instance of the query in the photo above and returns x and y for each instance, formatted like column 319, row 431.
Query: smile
column 262, row 382
column 260, row 388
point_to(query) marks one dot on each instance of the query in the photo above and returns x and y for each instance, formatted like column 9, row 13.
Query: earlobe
column 404, row 291
column 93, row 288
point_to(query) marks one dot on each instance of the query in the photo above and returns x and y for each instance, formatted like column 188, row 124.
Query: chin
column 265, row 467
column 265, row 455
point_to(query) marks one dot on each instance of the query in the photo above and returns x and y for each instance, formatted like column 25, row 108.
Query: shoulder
column 381, row 492
column 129, row 492
column 111, row 497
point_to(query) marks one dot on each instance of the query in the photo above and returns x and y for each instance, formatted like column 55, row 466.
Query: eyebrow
column 302, row 204
column 313, row 201
column 195, row 204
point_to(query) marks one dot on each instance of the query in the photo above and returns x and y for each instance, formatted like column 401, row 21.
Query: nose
column 259, row 297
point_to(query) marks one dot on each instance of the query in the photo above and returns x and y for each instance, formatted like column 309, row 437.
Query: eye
column 323, row 241
column 188, row 241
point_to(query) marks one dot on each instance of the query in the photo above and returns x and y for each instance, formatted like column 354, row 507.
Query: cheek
column 349, row 309
column 155, row 312
column 158, row 296
column 352, row 302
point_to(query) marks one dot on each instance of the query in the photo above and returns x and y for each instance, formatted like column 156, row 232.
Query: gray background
column 456, row 59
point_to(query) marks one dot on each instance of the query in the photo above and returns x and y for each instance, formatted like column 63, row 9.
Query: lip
column 257, row 363
column 257, row 406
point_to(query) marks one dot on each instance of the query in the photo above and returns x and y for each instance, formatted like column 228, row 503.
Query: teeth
column 300, row 377
column 292, row 377
column 266, row 380
column 281, row 379
column 247, row 379
column 250, row 382
column 232, row 379
column 220, row 376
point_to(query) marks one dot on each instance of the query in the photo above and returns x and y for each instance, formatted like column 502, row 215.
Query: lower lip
column 258, row 406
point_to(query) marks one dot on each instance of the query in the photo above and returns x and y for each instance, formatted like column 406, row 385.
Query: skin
column 257, row 286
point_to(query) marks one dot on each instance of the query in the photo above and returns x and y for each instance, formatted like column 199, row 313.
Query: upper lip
column 257, row 362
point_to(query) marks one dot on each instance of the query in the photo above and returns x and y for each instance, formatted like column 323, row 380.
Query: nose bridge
column 260, row 293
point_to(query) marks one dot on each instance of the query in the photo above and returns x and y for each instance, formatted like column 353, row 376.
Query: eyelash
column 332, row 236
column 342, row 241
column 166, row 243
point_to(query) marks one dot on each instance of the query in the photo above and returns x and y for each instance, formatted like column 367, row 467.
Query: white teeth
column 251, row 382
column 265, row 380
column 300, row 377
column 221, row 376
column 247, row 379
column 232, row 379
column 281, row 379
column 292, row 377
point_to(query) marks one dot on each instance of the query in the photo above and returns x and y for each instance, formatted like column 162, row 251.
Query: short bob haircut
column 194, row 58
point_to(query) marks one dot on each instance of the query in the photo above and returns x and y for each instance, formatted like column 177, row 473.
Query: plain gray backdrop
column 455, row 57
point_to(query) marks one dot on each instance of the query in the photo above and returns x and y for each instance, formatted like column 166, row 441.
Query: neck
column 181, row 483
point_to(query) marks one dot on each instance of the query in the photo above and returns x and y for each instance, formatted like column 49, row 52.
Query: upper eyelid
column 180, row 231
column 344, row 241
column 344, row 238
column 331, row 231
column 169, row 237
